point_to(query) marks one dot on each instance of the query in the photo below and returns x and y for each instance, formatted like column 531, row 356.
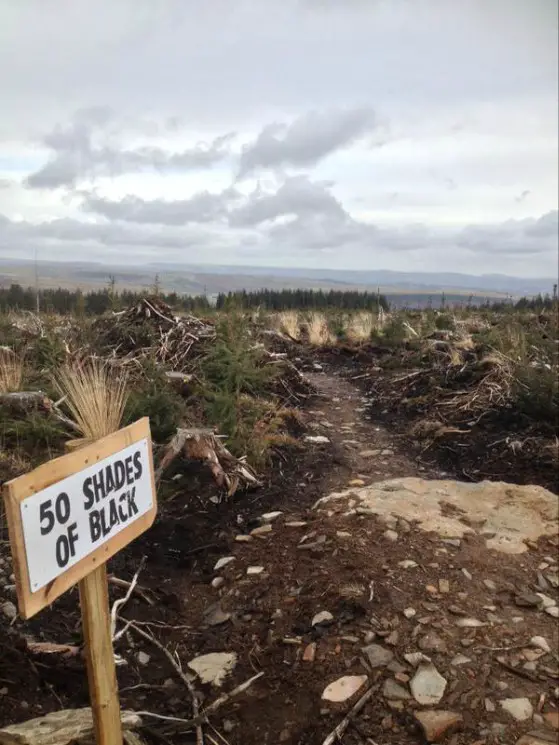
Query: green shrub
column 154, row 397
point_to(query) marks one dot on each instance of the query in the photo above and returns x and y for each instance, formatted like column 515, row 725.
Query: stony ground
column 436, row 639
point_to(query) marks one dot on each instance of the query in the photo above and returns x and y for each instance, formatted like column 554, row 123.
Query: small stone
column 466, row 574
column 369, row 453
column 428, row 685
column 343, row 534
column 217, row 582
column 356, row 482
column 444, row 585
column 438, row 724
column 143, row 658
column 546, row 601
column 391, row 535
column 393, row 691
column 310, row 652
column 322, row 618
column 460, row 659
column 502, row 685
column 242, row 538
column 261, row 530
column 432, row 590
column 251, row 571
column 553, row 611
column 415, row 658
column 223, row 562
column 469, row 623
column 296, row 524
column 269, row 517
column 317, row 439
column 528, row 600
column 214, row 615
column 536, row 738
column 431, row 642
column 377, row 656
column 490, row 585
column 490, row 706
column 407, row 564
column 409, row 612
column 228, row 726
column 344, row 688
column 519, row 708
column 9, row 610
column 387, row 451
column 455, row 542
column 392, row 638
column 540, row 643
column 213, row 667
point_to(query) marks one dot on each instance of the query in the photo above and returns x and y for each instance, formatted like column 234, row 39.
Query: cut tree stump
column 25, row 401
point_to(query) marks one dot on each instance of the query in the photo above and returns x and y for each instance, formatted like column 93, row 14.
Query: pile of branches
column 149, row 329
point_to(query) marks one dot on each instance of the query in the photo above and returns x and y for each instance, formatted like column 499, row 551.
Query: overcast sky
column 378, row 134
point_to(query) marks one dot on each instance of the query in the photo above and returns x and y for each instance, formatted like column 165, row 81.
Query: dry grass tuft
column 11, row 371
column 318, row 330
column 96, row 395
column 361, row 326
column 289, row 324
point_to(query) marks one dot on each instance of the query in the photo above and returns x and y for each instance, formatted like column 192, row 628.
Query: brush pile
column 149, row 329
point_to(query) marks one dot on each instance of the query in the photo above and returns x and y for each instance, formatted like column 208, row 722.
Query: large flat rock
column 60, row 728
column 508, row 514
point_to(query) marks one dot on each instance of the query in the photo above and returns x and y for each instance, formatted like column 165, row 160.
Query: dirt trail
column 385, row 590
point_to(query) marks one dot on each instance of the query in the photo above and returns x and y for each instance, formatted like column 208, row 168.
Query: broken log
column 22, row 402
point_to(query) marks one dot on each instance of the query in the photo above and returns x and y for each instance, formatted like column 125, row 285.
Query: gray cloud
column 203, row 207
column 306, row 140
column 530, row 236
column 298, row 196
column 83, row 150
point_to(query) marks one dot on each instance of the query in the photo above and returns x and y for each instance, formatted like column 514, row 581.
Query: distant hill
column 411, row 287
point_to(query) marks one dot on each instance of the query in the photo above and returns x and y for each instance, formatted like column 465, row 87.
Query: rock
column 213, row 667
column 344, row 688
column 356, row 482
column 317, row 439
column 214, row 615
column 506, row 515
column 269, row 517
column 537, row 738
column 546, row 601
column 552, row 611
column 528, row 600
column 469, row 623
column 228, row 726
column 490, row 706
column 9, row 610
column 322, row 618
column 251, row 571
column 391, row 535
column 552, row 718
column 310, row 652
column 519, row 708
column 407, row 564
column 261, row 530
column 217, row 582
column 143, row 658
column 369, row 453
column 436, row 724
column 242, row 538
column 409, row 612
column 223, row 562
column 61, row 728
column 490, row 585
column 392, row 638
column 444, row 585
column 296, row 524
column 427, row 685
column 466, row 573
column 460, row 659
column 377, row 656
column 387, row 451
column 395, row 692
column 540, row 643
column 431, row 642
column 415, row 658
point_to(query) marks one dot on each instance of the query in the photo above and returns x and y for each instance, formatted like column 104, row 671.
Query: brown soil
column 350, row 569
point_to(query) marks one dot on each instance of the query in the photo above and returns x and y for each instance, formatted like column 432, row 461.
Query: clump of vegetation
column 154, row 397
column 11, row 371
column 95, row 394
column 318, row 330
column 361, row 326
column 288, row 322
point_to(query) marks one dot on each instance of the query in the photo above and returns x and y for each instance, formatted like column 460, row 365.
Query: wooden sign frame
column 50, row 473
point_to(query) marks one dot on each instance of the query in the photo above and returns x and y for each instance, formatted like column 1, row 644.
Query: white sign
column 67, row 521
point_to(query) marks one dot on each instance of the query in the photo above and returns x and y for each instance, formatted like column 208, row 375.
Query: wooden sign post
column 66, row 519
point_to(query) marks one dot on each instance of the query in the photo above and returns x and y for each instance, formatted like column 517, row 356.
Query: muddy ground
column 311, row 562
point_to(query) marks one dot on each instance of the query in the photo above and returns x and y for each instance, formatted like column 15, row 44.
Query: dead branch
column 122, row 601
column 337, row 732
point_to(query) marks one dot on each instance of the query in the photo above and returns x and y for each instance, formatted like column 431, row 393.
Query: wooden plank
column 17, row 490
column 101, row 670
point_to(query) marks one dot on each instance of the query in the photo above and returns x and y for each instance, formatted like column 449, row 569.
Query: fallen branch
column 142, row 592
column 336, row 734
column 122, row 601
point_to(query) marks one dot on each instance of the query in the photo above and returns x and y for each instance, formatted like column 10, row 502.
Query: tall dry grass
column 319, row 331
column 361, row 326
column 11, row 371
column 96, row 395
column 288, row 321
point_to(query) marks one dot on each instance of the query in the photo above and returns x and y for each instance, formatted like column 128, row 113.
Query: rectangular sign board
column 73, row 513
